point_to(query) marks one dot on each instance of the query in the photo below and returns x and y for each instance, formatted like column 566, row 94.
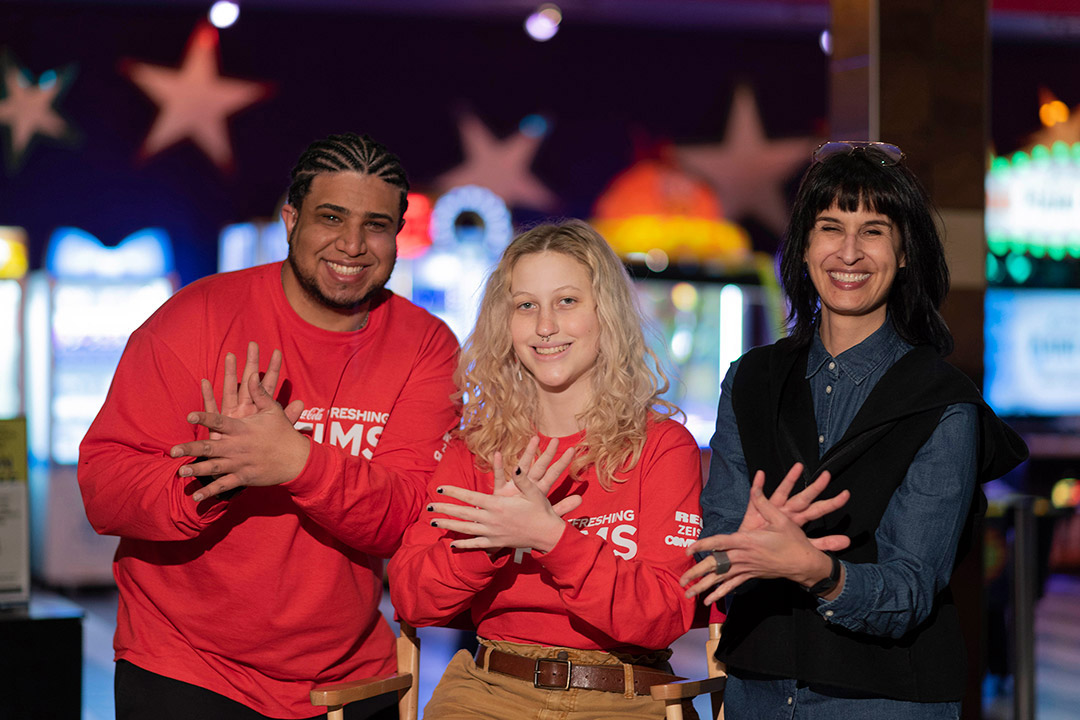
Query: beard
column 311, row 287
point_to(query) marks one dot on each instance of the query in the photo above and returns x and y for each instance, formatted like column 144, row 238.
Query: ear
column 401, row 224
column 289, row 215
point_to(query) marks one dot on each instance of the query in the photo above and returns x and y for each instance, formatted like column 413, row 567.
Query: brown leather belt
column 555, row 674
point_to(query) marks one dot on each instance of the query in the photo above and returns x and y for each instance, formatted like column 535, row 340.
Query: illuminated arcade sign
column 1033, row 205
column 75, row 253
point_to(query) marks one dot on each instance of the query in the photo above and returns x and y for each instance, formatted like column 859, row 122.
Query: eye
column 377, row 225
column 330, row 217
column 567, row 301
column 525, row 305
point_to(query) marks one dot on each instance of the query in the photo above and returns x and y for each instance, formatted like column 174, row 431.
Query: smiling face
column 342, row 248
column 554, row 326
column 852, row 259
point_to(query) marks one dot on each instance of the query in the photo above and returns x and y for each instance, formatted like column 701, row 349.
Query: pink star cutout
column 194, row 100
column 26, row 108
column 501, row 166
column 747, row 169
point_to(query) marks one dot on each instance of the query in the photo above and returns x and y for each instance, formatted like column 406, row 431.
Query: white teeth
column 345, row 269
column 848, row 277
column 552, row 350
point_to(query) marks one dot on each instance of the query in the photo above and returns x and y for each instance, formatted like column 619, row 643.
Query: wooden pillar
column 916, row 73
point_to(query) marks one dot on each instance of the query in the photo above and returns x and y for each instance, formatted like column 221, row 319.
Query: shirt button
column 828, row 389
column 828, row 613
column 821, row 439
column 790, row 700
column 832, row 366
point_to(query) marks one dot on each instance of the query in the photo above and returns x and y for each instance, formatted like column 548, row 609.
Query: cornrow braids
column 347, row 152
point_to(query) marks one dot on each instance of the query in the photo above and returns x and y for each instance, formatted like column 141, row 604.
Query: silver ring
column 723, row 562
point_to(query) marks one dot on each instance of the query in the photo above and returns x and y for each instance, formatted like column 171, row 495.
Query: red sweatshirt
column 260, row 597
column 612, row 580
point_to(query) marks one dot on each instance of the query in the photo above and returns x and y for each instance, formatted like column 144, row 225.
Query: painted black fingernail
column 434, row 523
column 438, row 490
column 517, row 471
column 431, row 508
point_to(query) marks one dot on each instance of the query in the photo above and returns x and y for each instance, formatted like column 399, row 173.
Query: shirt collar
column 859, row 361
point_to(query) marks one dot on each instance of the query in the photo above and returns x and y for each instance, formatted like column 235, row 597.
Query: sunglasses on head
column 892, row 154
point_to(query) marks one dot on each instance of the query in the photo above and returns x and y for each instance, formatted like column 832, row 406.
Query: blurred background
column 147, row 144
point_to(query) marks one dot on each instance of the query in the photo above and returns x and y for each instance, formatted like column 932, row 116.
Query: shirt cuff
column 844, row 609
column 573, row 545
column 317, row 468
column 476, row 566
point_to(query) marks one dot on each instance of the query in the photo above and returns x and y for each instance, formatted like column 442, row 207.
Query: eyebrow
column 563, row 288
column 336, row 208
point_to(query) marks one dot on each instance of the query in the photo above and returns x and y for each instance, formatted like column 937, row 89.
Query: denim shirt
column 919, row 532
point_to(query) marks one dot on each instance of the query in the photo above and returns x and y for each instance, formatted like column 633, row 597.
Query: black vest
column 773, row 628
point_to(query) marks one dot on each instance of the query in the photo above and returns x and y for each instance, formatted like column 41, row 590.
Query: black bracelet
column 825, row 585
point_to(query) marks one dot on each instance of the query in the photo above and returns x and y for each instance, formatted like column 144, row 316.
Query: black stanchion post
column 1024, row 577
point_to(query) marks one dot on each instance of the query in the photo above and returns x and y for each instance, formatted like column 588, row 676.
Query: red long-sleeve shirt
column 262, row 596
column 611, row 581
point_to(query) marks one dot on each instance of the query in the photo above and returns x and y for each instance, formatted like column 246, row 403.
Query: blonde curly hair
column 500, row 411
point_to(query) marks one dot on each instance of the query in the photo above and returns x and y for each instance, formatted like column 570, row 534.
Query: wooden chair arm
column 686, row 689
column 343, row 693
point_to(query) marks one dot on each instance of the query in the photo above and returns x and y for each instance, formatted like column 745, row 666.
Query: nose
column 352, row 241
column 850, row 248
column 546, row 324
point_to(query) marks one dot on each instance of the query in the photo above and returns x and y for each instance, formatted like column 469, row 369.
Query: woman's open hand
column 517, row 514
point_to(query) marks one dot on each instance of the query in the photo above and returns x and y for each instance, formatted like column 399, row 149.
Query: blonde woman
column 559, row 514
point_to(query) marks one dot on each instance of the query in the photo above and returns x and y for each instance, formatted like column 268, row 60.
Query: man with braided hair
column 235, row 604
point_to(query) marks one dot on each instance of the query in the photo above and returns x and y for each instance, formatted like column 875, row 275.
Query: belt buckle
column 536, row 674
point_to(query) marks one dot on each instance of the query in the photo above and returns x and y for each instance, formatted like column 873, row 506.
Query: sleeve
column 917, row 537
column 726, row 494
column 430, row 582
column 128, row 481
column 632, row 594
column 369, row 504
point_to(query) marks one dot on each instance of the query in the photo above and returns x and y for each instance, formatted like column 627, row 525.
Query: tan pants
column 468, row 692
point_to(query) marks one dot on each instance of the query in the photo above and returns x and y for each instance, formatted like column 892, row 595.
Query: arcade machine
column 705, row 292
column 1032, row 338
column 80, row 311
column 14, row 526
column 1032, row 378
column 469, row 227
column 244, row 245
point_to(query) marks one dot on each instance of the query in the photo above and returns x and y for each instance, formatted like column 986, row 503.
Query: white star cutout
column 501, row 166
column 747, row 169
column 26, row 108
column 194, row 100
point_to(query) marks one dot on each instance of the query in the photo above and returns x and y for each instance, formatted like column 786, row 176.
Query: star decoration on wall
column 28, row 108
column 194, row 100
column 501, row 166
column 747, row 169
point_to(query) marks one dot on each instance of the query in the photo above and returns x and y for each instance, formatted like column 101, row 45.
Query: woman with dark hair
column 861, row 626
